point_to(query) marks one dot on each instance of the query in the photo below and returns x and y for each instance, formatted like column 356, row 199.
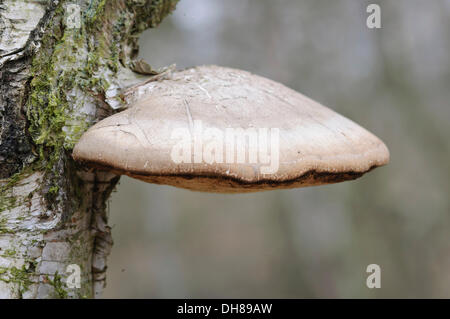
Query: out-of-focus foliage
column 313, row 242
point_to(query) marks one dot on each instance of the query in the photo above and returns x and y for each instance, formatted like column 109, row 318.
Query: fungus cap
column 224, row 130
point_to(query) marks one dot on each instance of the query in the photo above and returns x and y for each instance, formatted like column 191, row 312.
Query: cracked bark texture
column 64, row 65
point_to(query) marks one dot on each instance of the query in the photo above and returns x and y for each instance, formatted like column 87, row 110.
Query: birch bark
column 63, row 66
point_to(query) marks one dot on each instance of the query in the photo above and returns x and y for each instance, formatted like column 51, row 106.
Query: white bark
column 33, row 249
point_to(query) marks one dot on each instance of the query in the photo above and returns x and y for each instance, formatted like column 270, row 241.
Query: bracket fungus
column 225, row 130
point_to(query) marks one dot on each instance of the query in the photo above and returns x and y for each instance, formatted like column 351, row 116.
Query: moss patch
column 58, row 284
column 18, row 276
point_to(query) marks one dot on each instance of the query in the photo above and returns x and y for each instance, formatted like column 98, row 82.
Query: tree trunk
column 63, row 67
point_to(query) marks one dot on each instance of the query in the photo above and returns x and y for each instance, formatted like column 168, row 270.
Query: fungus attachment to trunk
column 217, row 129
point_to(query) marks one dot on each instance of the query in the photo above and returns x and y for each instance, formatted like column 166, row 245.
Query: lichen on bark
column 56, row 81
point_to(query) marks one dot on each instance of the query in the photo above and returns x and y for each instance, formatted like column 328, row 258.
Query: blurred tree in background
column 314, row 242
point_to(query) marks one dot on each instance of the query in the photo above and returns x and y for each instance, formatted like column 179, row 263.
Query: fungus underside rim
column 322, row 176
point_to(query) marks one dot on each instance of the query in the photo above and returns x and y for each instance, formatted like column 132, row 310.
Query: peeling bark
column 60, row 72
